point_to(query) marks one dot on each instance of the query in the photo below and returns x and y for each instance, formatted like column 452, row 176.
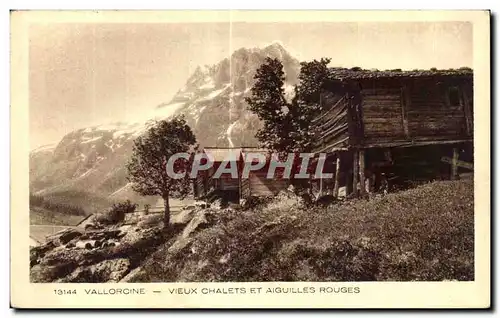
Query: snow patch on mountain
column 83, row 175
column 93, row 159
column 208, row 85
column 44, row 148
column 86, row 141
column 228, row 133
column 124, row 188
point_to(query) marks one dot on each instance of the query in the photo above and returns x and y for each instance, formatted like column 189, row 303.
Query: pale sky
column 87, row 74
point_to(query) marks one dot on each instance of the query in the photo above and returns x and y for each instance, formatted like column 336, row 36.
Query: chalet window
column 453, row 96
column 426, row 95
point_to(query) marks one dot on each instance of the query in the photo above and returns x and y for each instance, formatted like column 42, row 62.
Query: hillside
column 422, row 234
column 39, row 216
column 88, row 164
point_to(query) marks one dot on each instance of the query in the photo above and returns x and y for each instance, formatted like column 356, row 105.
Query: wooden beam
column 353, row 118
column 355, row 172
column 337, row 178
column 362, row 172
column 317, row 119
column 388, row 155
column 332, row 147
column 405, row 105
column 454, row 164
column 415, row 143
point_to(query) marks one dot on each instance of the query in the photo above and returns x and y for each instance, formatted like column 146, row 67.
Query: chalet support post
column 337, row 177
column 195, row 187
column 205, row 183
column 388, row 155
column 355, row 172
column 348, row 172
column 240, row 188
column 454, row 164
column 320, row 194
column 362, row 172
column 348, row 187
column 467, row 111
column 240, row 179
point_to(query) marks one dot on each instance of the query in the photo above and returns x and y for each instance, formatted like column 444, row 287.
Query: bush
column 116, row 214
column 255, row 202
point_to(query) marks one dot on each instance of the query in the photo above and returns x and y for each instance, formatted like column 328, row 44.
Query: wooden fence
column 133, row 217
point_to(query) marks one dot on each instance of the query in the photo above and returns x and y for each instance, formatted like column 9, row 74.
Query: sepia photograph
column 251, row 151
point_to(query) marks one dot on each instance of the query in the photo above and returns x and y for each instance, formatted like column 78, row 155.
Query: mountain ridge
column 92, row 159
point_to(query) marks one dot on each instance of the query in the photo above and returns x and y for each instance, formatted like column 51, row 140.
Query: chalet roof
column 221, row 154
column 338, row 73
column 85, row 220
column 248, row 150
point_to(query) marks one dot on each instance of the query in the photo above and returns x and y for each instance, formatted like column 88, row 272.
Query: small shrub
column 146, row 208
column 255, row 202
column 116, row 214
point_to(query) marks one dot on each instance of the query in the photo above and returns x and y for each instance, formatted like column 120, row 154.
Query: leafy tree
column 312, row 77
column 269, row 103
column 148, row 165
column 287, row 125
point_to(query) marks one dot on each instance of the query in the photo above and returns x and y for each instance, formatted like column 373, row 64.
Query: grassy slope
column 425, row 233
column 40, row 215
column 89, row 201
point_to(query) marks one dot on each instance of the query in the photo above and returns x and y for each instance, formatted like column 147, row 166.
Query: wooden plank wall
column 415, row 110
column 332, row 123
column 382, row 115
column 227, row 182
column 467, row 91
column 430, row 117
column 259, row 185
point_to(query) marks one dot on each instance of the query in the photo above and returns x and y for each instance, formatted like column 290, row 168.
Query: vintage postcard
column 250, row 159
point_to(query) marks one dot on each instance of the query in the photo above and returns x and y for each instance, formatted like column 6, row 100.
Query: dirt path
column 38, row 232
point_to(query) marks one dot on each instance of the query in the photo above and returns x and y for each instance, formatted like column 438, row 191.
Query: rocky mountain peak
column 212, row 99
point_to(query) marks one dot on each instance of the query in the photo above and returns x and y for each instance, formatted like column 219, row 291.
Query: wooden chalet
column 374, row 123
column 257, row 184
column 232, row 188
column 374, row 127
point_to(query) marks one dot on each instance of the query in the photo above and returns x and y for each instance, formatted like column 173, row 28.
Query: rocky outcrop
column 117, row 253
column 96, row 256
column 110, row 271
column 182, row 242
